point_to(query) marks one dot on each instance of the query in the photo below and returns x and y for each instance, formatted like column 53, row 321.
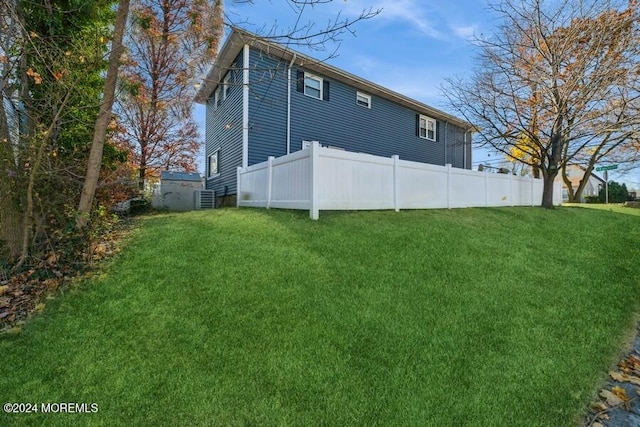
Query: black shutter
column 300, row 81
column 417, row 124
column 325, row 90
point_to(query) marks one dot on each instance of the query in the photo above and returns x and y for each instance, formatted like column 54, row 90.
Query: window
column 225, row 86
column 213, row 165
column 312, row 86
column 216, row 98
column 427, row 128
column 363, row 99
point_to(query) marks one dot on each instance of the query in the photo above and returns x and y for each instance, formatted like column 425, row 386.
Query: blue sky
column 410, row 47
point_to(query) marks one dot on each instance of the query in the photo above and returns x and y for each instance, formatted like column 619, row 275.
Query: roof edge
column 239, row 37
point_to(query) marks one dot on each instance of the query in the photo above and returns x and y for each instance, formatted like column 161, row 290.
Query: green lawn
column 487, row 317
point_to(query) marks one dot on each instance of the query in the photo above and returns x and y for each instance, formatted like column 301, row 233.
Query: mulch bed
column 619, row 403
column 24, row 293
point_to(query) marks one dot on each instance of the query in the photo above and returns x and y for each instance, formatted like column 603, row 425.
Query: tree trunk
column 104, row 116
column 10, row 222
column 141, row 177
column 10, row 217
column 547, row 190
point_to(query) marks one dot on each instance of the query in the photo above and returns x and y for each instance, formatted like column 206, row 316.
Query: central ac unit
column 205, row 199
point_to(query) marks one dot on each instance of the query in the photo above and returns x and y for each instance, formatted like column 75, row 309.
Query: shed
column 176, row 191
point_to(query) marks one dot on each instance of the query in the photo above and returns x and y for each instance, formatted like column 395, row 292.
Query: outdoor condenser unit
column 205, row 199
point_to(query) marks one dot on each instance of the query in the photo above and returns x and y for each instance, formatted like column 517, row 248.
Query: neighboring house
column 575, row 173
column 11, row 116
column 264, row 99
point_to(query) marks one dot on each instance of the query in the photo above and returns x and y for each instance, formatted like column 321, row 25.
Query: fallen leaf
column 617, row 376
column 51, row 283
column 621, row 393
column 597, row 406
column 612, row 399
column 596, row 424
column 52, row 258
column 4, row 289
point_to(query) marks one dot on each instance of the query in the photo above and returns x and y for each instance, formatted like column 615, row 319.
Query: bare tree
column 307, row 32
column 557, row 82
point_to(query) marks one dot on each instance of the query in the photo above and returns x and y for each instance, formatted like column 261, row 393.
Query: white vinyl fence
column 318, row 178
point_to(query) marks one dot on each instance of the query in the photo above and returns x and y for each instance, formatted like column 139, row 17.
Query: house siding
column 458, row 153
column 384, row 129
column 267, row 107
column 224, row 133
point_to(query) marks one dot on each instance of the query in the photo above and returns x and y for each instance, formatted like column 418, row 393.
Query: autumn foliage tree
column 557, row 82
column 169, row 44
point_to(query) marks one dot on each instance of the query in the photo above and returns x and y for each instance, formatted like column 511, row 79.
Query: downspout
column 468, row 160
column 446, row 125
column 289, row 103
column 464, row 150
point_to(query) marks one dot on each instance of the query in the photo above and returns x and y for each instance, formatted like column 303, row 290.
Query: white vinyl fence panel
column 318, row 178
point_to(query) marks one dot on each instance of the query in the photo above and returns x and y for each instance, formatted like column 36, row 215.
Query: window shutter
column 300, row 81
column 418, row 125
column 325, row 90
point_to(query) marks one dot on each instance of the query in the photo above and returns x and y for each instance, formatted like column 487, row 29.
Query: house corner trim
column 245, row 106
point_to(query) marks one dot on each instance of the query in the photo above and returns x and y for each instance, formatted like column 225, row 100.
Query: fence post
column 486, row 188
column 511, row 188
column 238, row 186
column 314, row 212
column 269, row 180
column 396, row 204
column 532, row 193
column 448, row 166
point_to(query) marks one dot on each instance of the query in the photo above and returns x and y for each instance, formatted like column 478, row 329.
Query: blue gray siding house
column 263, row 99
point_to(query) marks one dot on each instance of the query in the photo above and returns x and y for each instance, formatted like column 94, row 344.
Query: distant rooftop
column 180, row 176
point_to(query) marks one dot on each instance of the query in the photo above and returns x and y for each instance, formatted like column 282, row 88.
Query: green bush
column 617, row 193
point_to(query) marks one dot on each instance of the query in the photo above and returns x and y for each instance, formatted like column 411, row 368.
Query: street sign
column 606, row 168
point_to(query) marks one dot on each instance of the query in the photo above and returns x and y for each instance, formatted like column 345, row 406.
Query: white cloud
column 466, row 32
column 434, row 19
column 410, row 11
